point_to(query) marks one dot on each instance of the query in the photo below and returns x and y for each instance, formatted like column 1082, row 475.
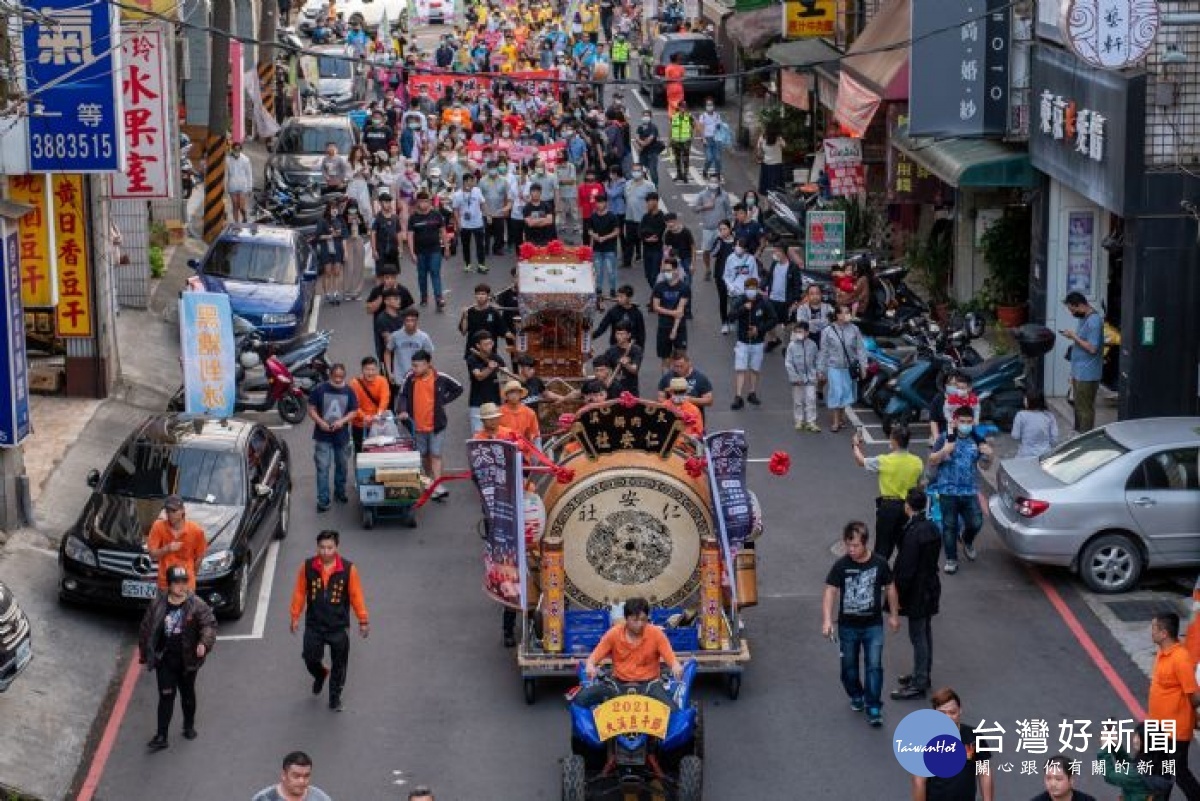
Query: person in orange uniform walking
column 176, row 541
column 678, row 389
column 1174, row 696
column 515, row 415
column 636, row 647
column 327, row 588
column 374, row 395
column 673, row 74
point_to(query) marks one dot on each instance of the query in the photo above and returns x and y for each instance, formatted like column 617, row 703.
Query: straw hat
column 489, row 411
column 678, row 385
column 513, row 385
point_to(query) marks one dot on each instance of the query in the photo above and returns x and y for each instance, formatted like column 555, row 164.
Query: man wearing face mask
column 709, row 121
column 497, row 203
column 683, row 128
column 637, row 192
column 956, row 455
column 669, row 301
column 651, row 230
column 739, row 268
column 650, row 146
column 714, row 206
column 754, row 318
column 690, row 412
column 1086, row 354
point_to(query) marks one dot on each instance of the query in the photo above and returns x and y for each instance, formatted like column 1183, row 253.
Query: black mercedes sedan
column 235, row 481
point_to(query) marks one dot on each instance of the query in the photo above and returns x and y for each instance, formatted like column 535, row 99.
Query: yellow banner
column 33, row 234
column 71, row 241
column 806, row 21
column 632, row 714
column 151, row 8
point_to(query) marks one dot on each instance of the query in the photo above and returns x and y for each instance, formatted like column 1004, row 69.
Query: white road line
column 281, row 427
column 316, row 314
column 638, row 97
column 857, row 422
column 264, row 598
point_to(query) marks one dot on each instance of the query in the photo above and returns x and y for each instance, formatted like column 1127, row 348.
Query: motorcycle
column 893, row 304
column 634, row 755
column 188, row 178
column 785, row 211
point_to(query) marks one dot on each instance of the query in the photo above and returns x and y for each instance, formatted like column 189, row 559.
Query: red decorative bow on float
column 695, row 466
column 555, row 247
column 780, row 463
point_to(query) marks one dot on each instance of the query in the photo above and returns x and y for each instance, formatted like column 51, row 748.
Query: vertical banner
column 39, row 274
column 237, row 92
column 265, row 125
column 71, row 72
column 727, row 452
column 496, row 469
column 71, row 252
column 844, row 166
column 145, row 98
column 825, row 238
column 206, row 337
column 14, row 375
column 1081, row 250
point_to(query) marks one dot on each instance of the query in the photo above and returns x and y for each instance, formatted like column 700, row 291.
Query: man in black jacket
column 427, row 420
column 919, row 590
column 177, row 633
column 624, row 311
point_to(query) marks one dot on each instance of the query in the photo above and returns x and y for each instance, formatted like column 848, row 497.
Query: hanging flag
column 496, row 468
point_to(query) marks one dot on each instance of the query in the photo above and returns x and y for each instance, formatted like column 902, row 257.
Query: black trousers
column 338, row 641
column 920, row 634
column 631, row 242
column 889, row 525
column 174, row 680
column 1185, row 780
column 496, row 230
column 479, row 235
column 516, row 232
column 722, row 296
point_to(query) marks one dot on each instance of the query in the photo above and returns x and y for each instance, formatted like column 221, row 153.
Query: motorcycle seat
column 988, row 366
column 292, row 345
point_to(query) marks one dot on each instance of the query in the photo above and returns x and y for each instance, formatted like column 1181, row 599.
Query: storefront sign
column 795, row 88
column 806, row 19
column 71, row 70
column 153, row 8
column 496, row 469
column 1110, row 34
column 39, row 274
column 844, row 166
column 908, row 181
column 825, row 239
column 959, row 73
column 146, row 97
column 1081, row 251
column 71, row 251
column 14, row 375
column 206, row 338
column 1088, row 128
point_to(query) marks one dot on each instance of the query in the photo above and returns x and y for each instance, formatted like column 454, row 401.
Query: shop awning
column 754, row 30
column 968, row 162
column 805, row 53
column 879, row 56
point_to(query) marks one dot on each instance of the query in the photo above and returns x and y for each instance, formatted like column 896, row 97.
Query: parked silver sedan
column 1108, row 504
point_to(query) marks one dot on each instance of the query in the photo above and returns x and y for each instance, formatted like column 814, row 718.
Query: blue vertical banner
column 72, row 70
column 14, row 370
column 727, row 452
column 206, row 340
column 497, row 471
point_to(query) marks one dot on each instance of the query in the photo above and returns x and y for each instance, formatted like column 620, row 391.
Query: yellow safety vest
column 681, row 127
column 620, row 52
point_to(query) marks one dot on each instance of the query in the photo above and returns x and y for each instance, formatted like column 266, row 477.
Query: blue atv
column 624, row 745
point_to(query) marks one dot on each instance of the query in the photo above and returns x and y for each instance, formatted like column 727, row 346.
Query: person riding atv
column 636, row 647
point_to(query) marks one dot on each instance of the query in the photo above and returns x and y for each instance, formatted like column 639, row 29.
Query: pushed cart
column 388, row 473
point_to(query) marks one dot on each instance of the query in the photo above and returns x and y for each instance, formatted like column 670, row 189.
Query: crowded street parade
column 748, row 375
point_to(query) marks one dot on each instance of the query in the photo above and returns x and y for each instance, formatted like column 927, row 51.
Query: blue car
column 268, row 272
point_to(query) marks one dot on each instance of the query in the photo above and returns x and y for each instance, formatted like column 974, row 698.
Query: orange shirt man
column 518, row 417
column 374, row 397
column 674, row 74
column 1174, row 694
column 176, row 541
column 678, row 389
column 636, row 646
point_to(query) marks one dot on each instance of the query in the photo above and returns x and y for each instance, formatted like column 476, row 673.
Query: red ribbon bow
column 527, row 250
column 555, row 248
column 627, row 399
column 695, row 466
column 780, row 463
column 583, row 253
column 566, row 420
column 564, row 475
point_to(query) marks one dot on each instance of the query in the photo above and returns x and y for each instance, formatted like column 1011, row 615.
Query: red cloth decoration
column 566, row 420
column 627, row 399
column 527, row 250
column 555, row 248
column 780, row 463
column 583, row 253
column 695, row 466
column 959, row 401
column 564, row 475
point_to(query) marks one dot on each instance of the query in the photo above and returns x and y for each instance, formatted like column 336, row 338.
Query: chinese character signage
column 145, row 98
column 71, row 253
column 908, row 181
column 72, row 70
column 844, row 166
column 206, row 337
column 1088, row 129
column 496, row 469
column 727, row 452
column 39, row 278
column 959, row 69
column 806, row 19
column 1110, row 34
column 14, row 376
column 825, row 238
column 638, row 426
column 631, row 714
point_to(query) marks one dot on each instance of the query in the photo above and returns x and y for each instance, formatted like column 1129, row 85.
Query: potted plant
column 1006, row 245
column 930, row 261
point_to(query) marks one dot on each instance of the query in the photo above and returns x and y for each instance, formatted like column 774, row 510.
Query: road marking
column 316, row 314
column 264, row 598
column 638, row 97
column 281, row 427
column 111, row 729
column 856, row 421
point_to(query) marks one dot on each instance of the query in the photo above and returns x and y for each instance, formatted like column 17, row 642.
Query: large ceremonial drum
column 631, row 524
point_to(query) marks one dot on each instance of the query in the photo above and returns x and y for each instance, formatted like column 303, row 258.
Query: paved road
column 434, row 697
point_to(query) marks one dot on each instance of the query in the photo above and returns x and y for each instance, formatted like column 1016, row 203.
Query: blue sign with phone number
column 72, row 69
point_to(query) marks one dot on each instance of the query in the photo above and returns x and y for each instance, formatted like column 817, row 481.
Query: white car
column 435, row 12
column 369, row 12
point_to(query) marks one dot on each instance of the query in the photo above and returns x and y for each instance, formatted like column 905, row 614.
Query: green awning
column 968, row 162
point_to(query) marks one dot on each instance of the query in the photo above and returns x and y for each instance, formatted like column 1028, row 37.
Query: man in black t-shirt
column 484, row 367
column 539, row 218
column 483, row 316
column 857, row 584
column 670, row 301
column 426, row 228
column 385, row 236
column 374, row 301
column 679, row 242
column 376, row 135
column 960, row 787
column 604, row 234
column 625, row 357
column 389, row 319
column 651, row 230
column 623, row 311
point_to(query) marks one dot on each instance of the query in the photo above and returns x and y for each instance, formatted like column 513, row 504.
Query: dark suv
column 235, row 481
column 295, row 161
column 16, row 641
column 697, row 53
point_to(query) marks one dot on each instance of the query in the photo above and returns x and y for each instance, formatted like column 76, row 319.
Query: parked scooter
column 785, row 212
column 188, row 178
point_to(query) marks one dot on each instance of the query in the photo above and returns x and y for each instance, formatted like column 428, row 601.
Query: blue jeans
column 958, row 509
column 605, row 265
column 652, row 256
column 429, row 270
column 870, row 641
column 712, row 156
column 325, row 453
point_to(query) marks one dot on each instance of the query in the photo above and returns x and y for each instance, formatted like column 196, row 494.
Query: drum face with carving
column 630, row 526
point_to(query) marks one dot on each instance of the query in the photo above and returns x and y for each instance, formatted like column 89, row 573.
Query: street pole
column 266, row 56
column 218, row 121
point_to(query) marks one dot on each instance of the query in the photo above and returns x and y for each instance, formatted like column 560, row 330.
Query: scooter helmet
column 249, row 359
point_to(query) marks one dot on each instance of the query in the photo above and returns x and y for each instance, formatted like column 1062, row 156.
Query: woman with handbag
column 841, row 362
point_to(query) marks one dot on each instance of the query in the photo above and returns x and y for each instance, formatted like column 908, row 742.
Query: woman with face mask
column 331, row 253
column 842, row 357
column 751, row 201
column 356, row 250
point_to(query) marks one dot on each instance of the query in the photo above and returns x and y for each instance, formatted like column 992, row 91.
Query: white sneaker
column 725, row 330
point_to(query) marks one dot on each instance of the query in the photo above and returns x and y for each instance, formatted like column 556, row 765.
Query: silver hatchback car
column 1108, row 504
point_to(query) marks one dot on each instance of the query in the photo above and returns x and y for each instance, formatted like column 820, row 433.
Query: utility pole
column 266, row 55
column 218, row 120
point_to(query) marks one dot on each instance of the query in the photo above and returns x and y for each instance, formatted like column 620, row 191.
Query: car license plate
column 371, row 493
column 138, row 589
